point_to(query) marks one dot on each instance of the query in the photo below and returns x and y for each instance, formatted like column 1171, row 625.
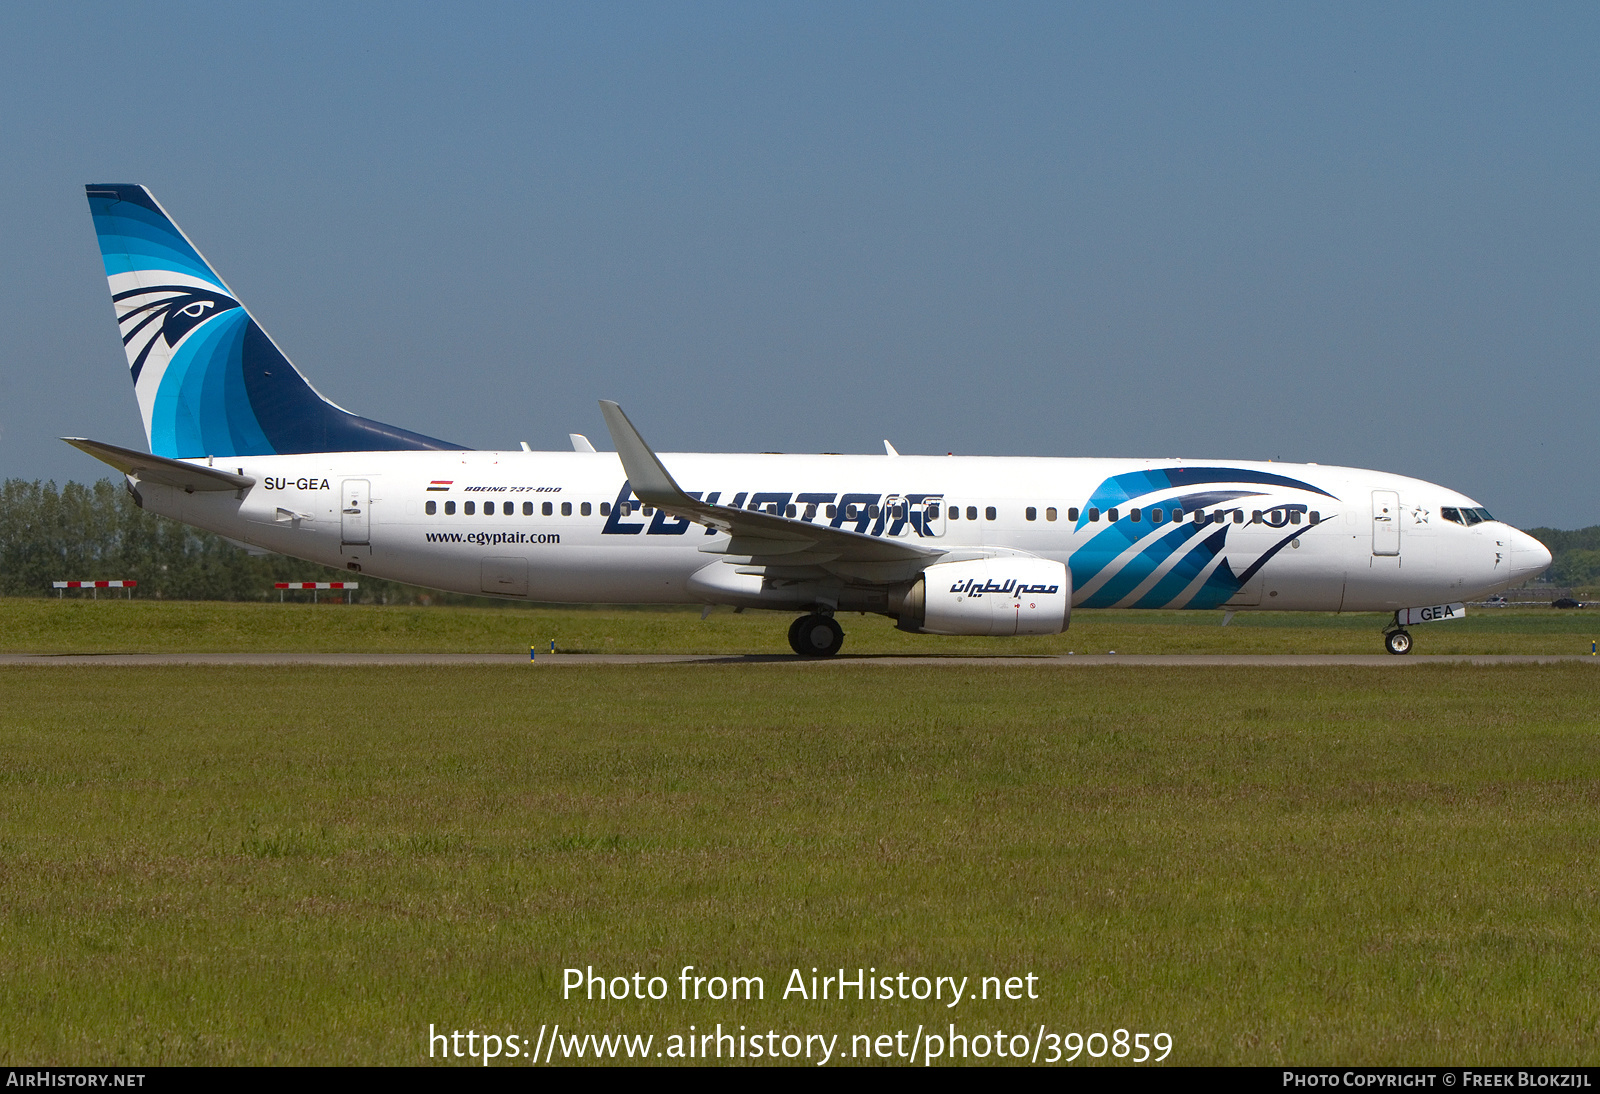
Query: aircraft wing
column 158, row 469
column 780, row 546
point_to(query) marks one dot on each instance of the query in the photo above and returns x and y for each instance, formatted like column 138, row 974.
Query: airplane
column 243, row 446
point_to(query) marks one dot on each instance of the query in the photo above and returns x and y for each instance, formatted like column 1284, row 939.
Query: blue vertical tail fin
column 210, row 381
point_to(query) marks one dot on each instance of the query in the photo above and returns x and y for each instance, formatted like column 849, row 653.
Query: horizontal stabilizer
column 158, row 469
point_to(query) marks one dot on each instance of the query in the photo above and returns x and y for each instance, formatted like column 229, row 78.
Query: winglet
column 649, row 479
column 888, row 449
column 758, row 535
column 580, row 443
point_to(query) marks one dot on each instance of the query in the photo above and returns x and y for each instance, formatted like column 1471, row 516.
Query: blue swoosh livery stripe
column 1119, row 489
column 1090, row 561
column 1141, row 566
column 1183, row 572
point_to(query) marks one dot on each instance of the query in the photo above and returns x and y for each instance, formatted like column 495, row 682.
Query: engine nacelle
column 993, row 596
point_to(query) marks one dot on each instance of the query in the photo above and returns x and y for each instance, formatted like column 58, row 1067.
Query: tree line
column 1577, row 555
column 96, row 532
column 83, row 533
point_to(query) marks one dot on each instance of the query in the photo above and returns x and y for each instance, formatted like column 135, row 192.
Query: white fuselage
column 552, row 526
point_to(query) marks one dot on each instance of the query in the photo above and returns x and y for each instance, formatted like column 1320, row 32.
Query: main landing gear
column 1397, row 641
column 815, row 635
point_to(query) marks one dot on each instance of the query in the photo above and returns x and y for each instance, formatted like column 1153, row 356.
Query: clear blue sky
column 1350, row 234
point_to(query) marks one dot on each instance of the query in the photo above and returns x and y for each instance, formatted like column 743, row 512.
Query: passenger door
column 354, row 513
column 1385, row 522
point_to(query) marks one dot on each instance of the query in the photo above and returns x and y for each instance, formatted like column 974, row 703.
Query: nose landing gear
column 1397, row 641
column 815, row 635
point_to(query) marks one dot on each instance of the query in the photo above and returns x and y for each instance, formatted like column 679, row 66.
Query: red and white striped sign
column 318, row 585
column 94, row 584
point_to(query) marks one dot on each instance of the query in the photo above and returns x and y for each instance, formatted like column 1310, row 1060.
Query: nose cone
column 1529, row 557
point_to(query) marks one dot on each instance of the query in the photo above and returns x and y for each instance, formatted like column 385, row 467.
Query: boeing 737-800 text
column 242, row 445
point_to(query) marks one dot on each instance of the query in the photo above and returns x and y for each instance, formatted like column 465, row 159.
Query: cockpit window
column 1472, row 517
column 1451, row 514
column 1483, row 514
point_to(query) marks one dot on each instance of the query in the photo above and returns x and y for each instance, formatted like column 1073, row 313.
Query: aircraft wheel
column 1397, row 641
column 815, row 636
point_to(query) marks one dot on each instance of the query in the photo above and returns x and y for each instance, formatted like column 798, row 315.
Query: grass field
column 148, row 626
column 308, row 865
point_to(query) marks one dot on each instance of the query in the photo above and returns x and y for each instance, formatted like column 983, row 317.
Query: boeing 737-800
column 242, row 445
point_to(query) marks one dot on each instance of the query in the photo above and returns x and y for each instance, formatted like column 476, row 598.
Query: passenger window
column 1255, row 517
column 955, row 512
column 789, row 511
column 584, row 509
column 1177, row 514
column 872, row 511
column 449, row 508
column 1050, row 513
column 833, row 511
column 989, row 513
column 469, row 508
column 508, row 508
column 1133, row 515
column 648, row 510
column 972, row 512
column 1316, row 517
column 431, row 508
column 811, row 510
column 527, row 508
column 1111, row 515
column 1094, row 515
column 546, row 509
column 1156, row 515
column 1072, row 514
column 1238, row 516
column 851, row 512
column 566, row 508
column 605, row 509
column 1031, row 513
column 1294, row 516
